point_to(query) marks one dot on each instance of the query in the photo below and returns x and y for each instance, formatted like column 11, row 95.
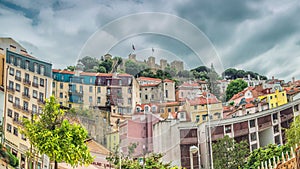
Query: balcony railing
column 17, row 122
column 41, row 101
column 75, row 92
column 26, row 82
column 11, row 89
column 26, row 95
column 18, row 78
column 25, row 110
column 17, row 106
column 35, row 84
column 264, row 125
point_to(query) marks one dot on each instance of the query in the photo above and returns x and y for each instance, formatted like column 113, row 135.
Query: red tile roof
column 88, row 74
column 203, row 101
column 149, row 85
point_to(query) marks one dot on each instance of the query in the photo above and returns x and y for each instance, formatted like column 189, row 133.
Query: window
column 271, row 97
column 91, row 89
column 81, row 89
column 182, row 115
column 99, row 90
column 12, row 71
column 296, row 108
column 8, row 127
column 169, row 110
column 146, row 97
column 18, row 75
column 195, row 107
column 253, row 136
column 167, row 94
column 26, row 91
column 61, row 85
column 154, row 109
column 40, row 110
column 35, row 68
column 252, row 123
column 152, row 96
column 16, row 131
column 129, row 100
column 17, row 101
column 108, row 82
column 41, row 96
column 53, row 84
column 9, row 113
column 120, row 82
column 11, row 85
column 16, row 116
column 146, row 108
column 42, row 82
column 34, row 95
column 129, row 90
column 62, row 78
column 228, row 129
column 25, row 105
column 98, row 99
column 27, row 65
column 176, row 109
column 91, row 80
column 34, row 108
column 90, row 99
column 129, row 81
column 18, row 62
column 61, row 95
column 23, row 137
column 26, row 77
column 275, row 116
column 204, row 117
column 197, row 118
column 42, row 70
column 276, row 129
column 35, row 81
column 10, row 98
column 11, row 59
column 282, row 94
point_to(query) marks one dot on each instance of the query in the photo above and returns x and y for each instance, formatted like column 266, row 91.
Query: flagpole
column 152, row 51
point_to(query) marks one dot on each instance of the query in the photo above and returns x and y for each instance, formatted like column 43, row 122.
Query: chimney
column 12, row 48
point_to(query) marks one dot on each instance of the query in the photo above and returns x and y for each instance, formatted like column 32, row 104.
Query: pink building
column 138, row 130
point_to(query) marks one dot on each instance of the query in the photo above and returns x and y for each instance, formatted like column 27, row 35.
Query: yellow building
column 112, row 140
column 198, row 112
column 28, row 83
column 275, row 99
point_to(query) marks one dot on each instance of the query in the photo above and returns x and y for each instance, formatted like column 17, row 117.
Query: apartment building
column 28, row 83
column 156, row 90
column 116, row 93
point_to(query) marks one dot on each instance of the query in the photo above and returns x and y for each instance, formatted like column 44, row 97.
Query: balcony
column 75, row 92
column 36, row 85
column 26, row 96
column 25, row 110
column 264, row 125
column 17, row 122
column 26, row 82
column 41, row 101
column 11, row 90
column 17, row 106
column 18, row 78
column 241, row 132
column 217, row 136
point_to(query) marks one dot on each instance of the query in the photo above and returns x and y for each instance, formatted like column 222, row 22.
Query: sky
column 258, row 35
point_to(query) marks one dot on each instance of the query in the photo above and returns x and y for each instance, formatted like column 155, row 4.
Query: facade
column 138, row 130
column 154, row 90
column 116, row 93
column 197, row 108
column 112, row 140
column 28, row 83
column 258, row 129
column 173, row 139
column 275, row 99
column 188, row 90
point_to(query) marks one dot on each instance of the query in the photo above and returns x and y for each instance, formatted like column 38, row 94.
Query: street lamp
column 193, row 150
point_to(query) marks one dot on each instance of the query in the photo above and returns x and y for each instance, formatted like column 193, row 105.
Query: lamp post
column 193, row 150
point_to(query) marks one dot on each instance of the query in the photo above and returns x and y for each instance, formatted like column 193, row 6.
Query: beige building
column 112, row 140
column 27, row 85
column 156, row 90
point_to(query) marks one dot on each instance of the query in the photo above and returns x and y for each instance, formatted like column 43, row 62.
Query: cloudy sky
column 262, row 36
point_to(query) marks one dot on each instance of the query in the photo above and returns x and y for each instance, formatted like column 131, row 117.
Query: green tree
column 132, row 67
column 89, row 63
column 293, row 133
column 101, row 69
column 107, row 64
column 229, row 154
column 264, row 154
column 54, row 136
column 71, row 68
column 234, row 87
